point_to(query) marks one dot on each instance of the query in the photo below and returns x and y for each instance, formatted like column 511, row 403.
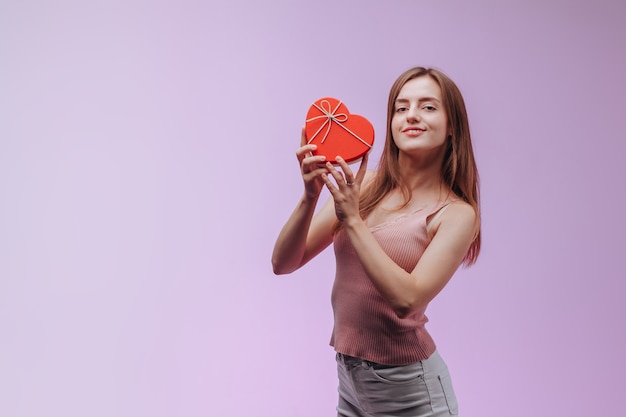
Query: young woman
column 399, row 234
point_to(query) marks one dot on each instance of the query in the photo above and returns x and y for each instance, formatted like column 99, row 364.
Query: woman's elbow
column 280, row 268
column 402, row 312
column 277, row 268
column 406, row 308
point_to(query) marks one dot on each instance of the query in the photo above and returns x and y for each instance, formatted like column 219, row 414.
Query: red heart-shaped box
column 336, row 132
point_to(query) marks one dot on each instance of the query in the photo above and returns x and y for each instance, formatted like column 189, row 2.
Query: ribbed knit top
column 365, row 324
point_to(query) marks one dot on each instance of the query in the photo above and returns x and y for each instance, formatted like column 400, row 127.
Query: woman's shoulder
column 455, row 212
column 457, row 206
column 460, row 207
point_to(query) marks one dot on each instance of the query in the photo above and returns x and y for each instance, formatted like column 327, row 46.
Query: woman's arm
column 304, row 235
column 406, row 292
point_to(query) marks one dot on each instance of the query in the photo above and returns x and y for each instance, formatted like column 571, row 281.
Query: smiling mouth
column 413, row 130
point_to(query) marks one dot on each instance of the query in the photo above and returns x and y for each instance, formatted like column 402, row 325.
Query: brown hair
column 458, row 171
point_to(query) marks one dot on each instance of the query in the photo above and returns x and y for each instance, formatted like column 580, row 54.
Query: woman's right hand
column 311, row 166
column 306, row 233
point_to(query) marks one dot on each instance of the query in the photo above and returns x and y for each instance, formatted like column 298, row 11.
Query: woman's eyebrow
column 420, row 100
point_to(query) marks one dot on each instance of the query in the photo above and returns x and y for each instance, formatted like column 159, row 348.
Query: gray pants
column 368, row 389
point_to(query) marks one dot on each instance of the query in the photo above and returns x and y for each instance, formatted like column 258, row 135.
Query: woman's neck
column 421, row 175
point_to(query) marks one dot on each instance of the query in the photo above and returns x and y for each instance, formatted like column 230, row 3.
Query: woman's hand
column 312, row 167
column 306, row 233
column 346, row 189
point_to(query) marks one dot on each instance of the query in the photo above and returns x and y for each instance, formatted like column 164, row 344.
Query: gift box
column 336, row 132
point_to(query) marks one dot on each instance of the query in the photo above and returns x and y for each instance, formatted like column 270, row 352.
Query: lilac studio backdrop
column 147, row 164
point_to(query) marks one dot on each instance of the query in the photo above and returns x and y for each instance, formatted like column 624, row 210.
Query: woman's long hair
column 459, row 171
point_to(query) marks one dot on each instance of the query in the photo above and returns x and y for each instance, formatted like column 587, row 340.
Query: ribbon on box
column 328, row 112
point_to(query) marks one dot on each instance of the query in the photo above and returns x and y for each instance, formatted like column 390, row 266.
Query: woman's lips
column 413, row 131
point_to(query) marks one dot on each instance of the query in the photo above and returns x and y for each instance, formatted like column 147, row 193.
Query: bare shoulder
column 458, row 217
column 460, row 210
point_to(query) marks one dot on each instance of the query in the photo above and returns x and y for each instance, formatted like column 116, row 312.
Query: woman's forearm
column 290, row 245
column 395, row 284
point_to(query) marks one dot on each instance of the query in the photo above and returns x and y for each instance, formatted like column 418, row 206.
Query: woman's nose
column 413, row 114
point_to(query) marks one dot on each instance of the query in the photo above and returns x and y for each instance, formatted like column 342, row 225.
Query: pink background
column 147, row 164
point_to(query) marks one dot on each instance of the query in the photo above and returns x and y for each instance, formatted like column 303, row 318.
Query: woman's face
column 419, row 121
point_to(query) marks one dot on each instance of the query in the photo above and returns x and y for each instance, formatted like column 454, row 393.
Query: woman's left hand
column 346, row 188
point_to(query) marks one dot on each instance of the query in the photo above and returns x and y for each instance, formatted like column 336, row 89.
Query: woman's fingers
column 329, row 184
column 339, row 179
column 305, row 151
column 347, row 172
column 362, row 170
column 344, row 189
column 303, row 139
column 348, row 176
column 309, row 163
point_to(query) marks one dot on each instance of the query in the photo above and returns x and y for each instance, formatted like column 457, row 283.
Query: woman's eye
column 401, row 109
column 430, row 108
